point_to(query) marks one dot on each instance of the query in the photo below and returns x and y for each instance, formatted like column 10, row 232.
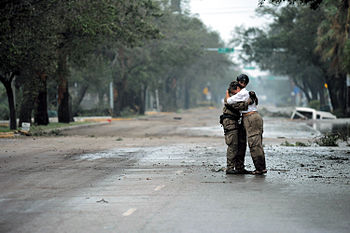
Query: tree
column 24, row 49
column 94, row 78
column 83, row 28
column 7, row 82
column 314, row 4
column 76, row 41
column 333, row 31
column 331, row 45
column 169, row 66
column 287, row 48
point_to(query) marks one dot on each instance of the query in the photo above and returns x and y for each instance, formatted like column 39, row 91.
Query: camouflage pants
column 235, row 138
column 253, row 124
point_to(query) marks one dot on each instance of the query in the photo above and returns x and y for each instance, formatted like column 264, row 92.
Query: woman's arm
column 241, row 105
column 243, row 95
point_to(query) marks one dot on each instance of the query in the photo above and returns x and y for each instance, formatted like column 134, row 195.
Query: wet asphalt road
column 179, row 187
column 182, row 188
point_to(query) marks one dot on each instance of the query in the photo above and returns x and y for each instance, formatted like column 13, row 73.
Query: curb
column 77, row 127
column 83, row 126
column 89, row 123
column 13, row 135
column 7, row 135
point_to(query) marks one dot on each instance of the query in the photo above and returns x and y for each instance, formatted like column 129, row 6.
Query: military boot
column 238, row 172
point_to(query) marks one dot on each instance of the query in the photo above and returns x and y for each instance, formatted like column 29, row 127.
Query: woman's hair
column 243, row 78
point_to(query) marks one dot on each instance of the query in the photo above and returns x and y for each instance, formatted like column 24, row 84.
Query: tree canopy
column 307, row 45
column 147, row 49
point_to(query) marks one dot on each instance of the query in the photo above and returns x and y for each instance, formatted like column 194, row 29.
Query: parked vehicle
column 311, row 114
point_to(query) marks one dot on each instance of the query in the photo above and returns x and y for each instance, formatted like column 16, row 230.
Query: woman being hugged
column 253, row 124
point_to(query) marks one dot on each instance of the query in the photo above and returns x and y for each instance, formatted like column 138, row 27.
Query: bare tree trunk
column 169, row 101
column 347, row 33
column 119, row 85
column 80, row 97
column 101, row 95
column 63, row 94
column 7, row 83
column 119, row 95
column 306, row 93
column 41, row 116
column 322, row 97
column 336, row 87
column 29, row 95
column 143, row 100
column 187, row 94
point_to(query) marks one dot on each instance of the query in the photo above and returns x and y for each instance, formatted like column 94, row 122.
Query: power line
column 226, row 8
column 227, row 12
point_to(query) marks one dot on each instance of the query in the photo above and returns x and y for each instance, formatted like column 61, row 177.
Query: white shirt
column 242, row 95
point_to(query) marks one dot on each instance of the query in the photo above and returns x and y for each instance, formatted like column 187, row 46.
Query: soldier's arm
column 226, row 97
column 242, row 105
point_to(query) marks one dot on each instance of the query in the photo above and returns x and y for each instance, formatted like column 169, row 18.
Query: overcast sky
column 224, row 15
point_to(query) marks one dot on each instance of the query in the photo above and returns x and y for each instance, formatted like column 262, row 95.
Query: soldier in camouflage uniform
column 235, row 136
column 253, row 124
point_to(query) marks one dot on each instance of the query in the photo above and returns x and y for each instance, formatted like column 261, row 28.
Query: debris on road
column 222, row 169
column 102, row 201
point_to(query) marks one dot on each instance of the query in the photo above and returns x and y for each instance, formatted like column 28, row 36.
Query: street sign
column 25, row 126
column 226, row 50
column 272, row 77
column 249, row 68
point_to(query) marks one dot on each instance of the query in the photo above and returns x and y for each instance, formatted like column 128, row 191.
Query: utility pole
column 347, row 88
column 347, row 94
column 111, row 96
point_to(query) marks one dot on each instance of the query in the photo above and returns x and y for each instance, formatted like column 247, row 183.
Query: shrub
column 301, row 144
column 315, row 104
column 286, row 143
column 93, row 112
column 127, row 111
column 328, row 140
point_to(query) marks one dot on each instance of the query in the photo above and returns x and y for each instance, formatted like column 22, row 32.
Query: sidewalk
column 89, row 122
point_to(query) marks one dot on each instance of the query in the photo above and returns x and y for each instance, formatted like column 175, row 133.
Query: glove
column 252, row 95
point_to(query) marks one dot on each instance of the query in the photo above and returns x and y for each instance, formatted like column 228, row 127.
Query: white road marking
column 159, row 187
column 129, row 212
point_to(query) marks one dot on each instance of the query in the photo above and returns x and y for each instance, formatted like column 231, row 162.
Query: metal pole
column 157, row 101
column 111, row 95
column 347, row 94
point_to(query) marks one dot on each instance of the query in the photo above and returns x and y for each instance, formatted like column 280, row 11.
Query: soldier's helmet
column 243, row 78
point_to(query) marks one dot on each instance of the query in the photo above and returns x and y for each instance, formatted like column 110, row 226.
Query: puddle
column 115, row 153
column 273, row 128
column 290, row 164
column 180, row 154
column 216, row 131
column 341, row 126
column 288, row 129
column 282, row 128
